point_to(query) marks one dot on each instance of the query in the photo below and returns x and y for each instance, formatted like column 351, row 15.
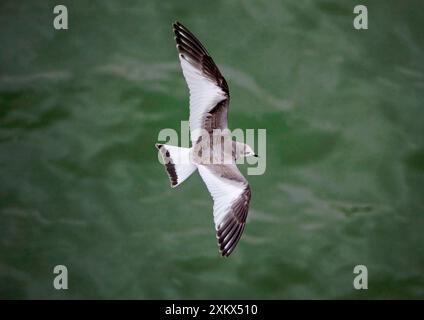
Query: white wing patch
column 231, row 196
column 204, row 96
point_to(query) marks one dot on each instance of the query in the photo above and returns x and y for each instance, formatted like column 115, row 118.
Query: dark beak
column 256, row 156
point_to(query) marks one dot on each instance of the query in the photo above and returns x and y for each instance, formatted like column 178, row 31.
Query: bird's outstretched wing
column 209, row 93
column 231, row 195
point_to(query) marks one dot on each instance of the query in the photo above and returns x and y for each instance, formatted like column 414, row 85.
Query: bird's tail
column 177, row 163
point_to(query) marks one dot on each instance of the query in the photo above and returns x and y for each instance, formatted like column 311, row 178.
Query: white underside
column 204, row 96
column 224, row 192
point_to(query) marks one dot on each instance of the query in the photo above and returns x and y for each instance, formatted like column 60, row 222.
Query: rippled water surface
column 80, row 184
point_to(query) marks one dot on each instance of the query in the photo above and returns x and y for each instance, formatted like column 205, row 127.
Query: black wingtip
column 176, row 25
column 225, row 253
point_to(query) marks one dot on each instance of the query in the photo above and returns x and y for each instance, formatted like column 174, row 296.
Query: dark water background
column 80, row 185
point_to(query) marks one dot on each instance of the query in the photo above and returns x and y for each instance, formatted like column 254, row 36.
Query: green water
column 80, row 184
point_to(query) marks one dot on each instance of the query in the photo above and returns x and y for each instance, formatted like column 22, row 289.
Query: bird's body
column 213, row 152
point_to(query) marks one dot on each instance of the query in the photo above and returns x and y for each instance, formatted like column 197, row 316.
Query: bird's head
column 246, row 150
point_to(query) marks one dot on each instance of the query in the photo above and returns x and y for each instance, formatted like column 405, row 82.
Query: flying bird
column 209, row 101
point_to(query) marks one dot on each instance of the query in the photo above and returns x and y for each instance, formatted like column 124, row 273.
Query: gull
column 209, row 101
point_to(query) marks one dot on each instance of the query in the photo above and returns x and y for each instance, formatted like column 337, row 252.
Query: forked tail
column 177, row 163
